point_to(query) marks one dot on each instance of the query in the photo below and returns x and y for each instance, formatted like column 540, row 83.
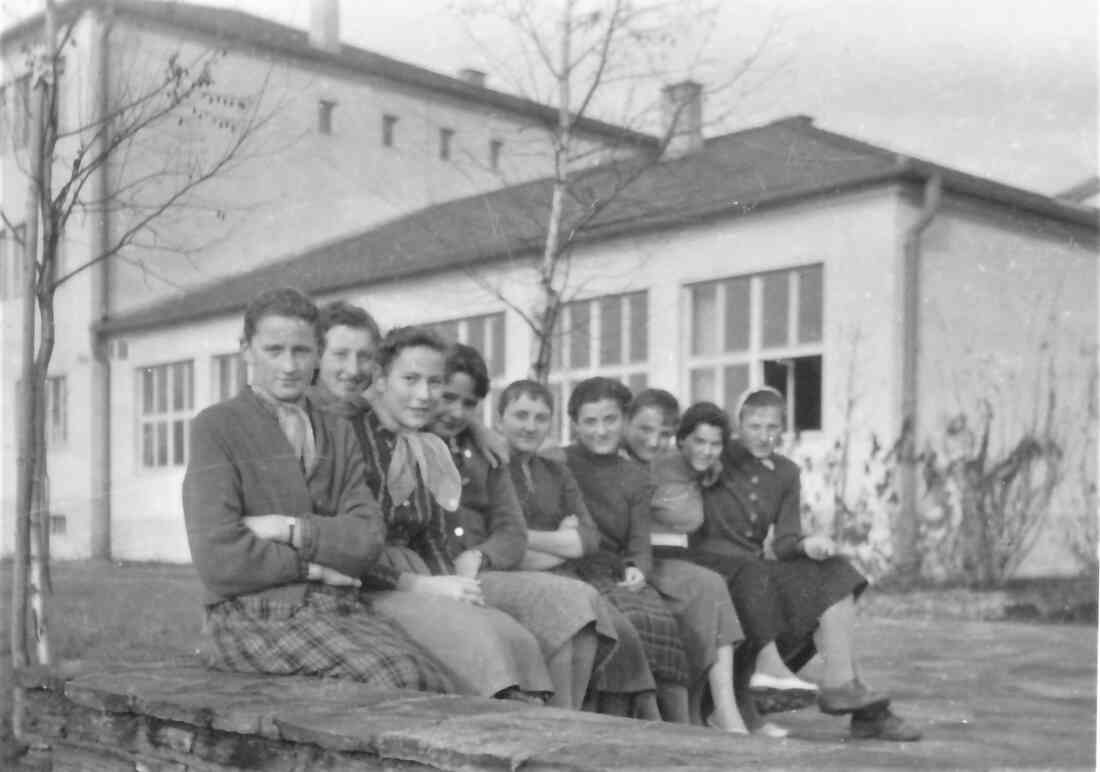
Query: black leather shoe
column 882, row 724
column 852, row 696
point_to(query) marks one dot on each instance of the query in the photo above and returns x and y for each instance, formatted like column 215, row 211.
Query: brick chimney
column 324, row 25
column 682, row 109
column 472, row 76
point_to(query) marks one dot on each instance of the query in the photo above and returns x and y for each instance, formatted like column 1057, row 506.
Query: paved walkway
column 987, row 694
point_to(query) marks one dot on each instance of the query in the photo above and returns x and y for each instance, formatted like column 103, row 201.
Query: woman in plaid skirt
column 564, row 538
column 413, row 477
column 280, row 593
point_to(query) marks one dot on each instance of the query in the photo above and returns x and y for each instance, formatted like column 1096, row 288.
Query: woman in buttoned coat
column 802, row 601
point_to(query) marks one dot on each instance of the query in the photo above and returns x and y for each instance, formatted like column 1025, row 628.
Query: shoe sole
column 831, row 710
column 783, row 701
column 912, row 738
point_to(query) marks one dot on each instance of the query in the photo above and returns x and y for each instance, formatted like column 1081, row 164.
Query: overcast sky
column 1002, row 88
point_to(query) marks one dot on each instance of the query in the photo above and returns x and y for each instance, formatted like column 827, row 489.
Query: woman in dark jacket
column 802, row 601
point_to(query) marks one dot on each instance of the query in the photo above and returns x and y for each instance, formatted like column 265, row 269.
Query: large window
column 754, row 330
column 166, row 404
column 57, row 411
column 227, row 372
column 486, row 334
column 606, row 336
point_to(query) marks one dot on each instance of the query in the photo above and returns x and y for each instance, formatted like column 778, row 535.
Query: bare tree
column 586, row 58
column 129, row 163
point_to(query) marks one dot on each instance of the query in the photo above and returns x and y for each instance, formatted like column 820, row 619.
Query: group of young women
column 625, row 573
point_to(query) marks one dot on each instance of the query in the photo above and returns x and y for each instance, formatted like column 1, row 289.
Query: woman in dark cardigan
column 562, row 537
column 617, row 493
column 280, row 522
column 488, row 537
column 802, row 601
column 413, row 478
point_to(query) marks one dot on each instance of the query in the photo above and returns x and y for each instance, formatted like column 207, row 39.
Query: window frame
column 495, row 340
column 232, row 363
column 176, row 422
column 633, row 372
column 718, row 361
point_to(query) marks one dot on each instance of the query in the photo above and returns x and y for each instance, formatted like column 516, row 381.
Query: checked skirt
column 330, row 634
column 645, row 610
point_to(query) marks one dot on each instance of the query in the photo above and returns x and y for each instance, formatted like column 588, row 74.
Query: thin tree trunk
column 32, row 381
column 39, row 519
column 551, row 254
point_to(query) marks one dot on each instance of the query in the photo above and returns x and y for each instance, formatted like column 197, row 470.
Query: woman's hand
column 468, row 564
column 818, row 547
column 454, row 587
column 633, row 579
column 271, row 527
column 569, row 521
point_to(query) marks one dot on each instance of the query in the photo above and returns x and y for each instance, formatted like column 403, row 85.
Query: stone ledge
column 189, row 718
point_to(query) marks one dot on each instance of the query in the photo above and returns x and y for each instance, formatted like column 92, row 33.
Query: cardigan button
column 755, row 479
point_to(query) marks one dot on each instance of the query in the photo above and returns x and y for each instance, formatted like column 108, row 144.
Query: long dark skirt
column 779, row 600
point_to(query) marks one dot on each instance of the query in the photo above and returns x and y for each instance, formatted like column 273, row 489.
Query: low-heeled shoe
column 883, row 725
column 852, row 696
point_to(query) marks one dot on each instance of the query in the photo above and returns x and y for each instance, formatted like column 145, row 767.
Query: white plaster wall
column 855, row 237
column 1009, row 315
column 295, row 188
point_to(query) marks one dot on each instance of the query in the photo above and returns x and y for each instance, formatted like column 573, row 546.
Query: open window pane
column 704, row 319
column 776, row 309
column 810, row 301
column 807, row 390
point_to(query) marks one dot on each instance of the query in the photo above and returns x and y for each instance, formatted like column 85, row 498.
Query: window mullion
column 792, row 306
column 756, row 323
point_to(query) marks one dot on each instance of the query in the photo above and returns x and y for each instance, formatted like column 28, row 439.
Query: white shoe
column 771, row 731
column 762, row 682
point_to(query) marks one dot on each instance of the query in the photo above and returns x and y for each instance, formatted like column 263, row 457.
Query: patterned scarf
column 419, row 451
column 296, row 426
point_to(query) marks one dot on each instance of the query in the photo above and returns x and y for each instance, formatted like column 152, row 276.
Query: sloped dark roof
column 731, row 175
column 230, row 26
column 1082, row 191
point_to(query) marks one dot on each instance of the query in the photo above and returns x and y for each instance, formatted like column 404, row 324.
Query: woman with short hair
column 411, row 474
